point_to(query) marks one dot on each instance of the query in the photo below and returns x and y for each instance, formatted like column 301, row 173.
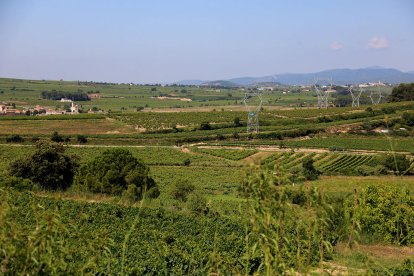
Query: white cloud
column 335, row 46
column 378, row 43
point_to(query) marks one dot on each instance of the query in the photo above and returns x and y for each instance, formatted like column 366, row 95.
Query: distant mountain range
column 338, row 76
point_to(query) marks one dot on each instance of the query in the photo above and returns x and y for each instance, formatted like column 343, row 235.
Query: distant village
column 10, row 109
column 69, row 108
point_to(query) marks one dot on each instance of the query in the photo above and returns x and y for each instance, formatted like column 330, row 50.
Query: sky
column 155, row 41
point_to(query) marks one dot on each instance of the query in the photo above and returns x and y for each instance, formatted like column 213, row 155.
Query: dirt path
column 261, row 148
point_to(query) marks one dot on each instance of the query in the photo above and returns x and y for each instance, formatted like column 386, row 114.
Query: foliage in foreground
column 288, row 235
column 386, row 214
column 50, row 236
column 280, row 230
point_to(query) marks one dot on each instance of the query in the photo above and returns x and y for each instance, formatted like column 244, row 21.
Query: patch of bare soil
column 257, row 157
column 387, row 251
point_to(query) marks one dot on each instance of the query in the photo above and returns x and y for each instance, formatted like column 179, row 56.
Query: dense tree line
column 403, row 92
column 57, row 95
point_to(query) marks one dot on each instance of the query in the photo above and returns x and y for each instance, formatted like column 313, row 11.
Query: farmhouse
column 66, row 100
column 8, row 110
column 51, row 111
column 96, row 95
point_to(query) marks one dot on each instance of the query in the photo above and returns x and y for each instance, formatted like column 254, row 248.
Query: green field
column 202, row 144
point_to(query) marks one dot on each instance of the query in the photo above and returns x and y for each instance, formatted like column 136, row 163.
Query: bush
column 82, row 139
column 366, row 170
column 386, row 214
column 14, row 139
column 205, row 126
column 398, row 163
column 115, row 171
column 181, row 190
column 309, row 170
column 237, row 122
column 403, row 92
column 197, row 203
column 18, row 183
column 187, row 162
column 220, row 137
column 56, row 137
column 48, row 166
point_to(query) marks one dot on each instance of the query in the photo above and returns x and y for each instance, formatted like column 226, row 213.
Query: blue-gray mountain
column 338, row 76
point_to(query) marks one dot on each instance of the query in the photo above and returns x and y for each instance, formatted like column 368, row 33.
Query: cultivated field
column 245, row 195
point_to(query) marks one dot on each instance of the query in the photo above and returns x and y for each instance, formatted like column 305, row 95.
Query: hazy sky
column 161, row 41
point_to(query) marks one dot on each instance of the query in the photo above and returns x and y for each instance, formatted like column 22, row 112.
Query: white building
column 64, row 100
column 74, row 109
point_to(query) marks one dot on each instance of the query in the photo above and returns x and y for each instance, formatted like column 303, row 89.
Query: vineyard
column 327, row 163
column 103, row 238
column 289, row 198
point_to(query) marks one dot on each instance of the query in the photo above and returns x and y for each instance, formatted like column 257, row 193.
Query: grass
column 347, row 184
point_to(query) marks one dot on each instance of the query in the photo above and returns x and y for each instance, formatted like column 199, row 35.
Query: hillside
column 339, row 76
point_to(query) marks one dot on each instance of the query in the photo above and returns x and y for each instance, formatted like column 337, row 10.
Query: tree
column 398, row 163
column 115, row 171
column 187, row 162
column 15, row 138
column 309, row 170
column 48, row 166
column 56, row 137
column 237, row 122
column 408, row 118
column 205, row 126
column 403, row 92
column 82, row 139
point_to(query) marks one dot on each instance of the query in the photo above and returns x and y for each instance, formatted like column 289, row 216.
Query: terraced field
column 327, row 163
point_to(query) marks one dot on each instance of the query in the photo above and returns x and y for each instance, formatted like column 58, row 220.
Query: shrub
column 386, row 214
column 197, row 203
column 14, row 139
column 18, row 183
column 82, row 139
column 398, row 163
column 309, row 170
column 408, row 118
column 56, row 137
column 187, row 162
column 115, row 171
column 181, row 190
column 366, row 170
column 237, row 122
column 48, row 166
column 205, row 126
column 220, row 137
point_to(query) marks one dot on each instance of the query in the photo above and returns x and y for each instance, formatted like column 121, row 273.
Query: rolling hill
column 338, row 76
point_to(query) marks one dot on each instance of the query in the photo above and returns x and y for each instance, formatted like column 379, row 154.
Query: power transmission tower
column 253, row 103
column 322, row 88
column 376, row 94
column 356, row 93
